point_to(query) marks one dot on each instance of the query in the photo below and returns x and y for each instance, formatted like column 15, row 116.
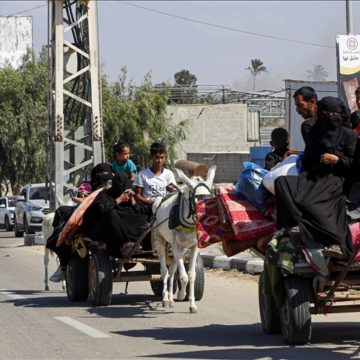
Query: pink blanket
column 355, row 233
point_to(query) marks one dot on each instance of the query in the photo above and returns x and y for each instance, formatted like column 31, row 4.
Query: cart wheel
column 295, row 313
column 199, row 281
column 100, row 279
column 269, row 312
column 157, row 286
column 77, row 288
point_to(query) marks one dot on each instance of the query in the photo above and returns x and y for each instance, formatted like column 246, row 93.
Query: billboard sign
column 348, row 61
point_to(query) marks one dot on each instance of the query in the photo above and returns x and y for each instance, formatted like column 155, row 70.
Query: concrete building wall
column 218, row 135
column 215, row 128
column 16, row 37
column 228, row 165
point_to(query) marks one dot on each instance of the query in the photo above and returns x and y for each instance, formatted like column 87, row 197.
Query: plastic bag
column 289, row 166
column 250, row 184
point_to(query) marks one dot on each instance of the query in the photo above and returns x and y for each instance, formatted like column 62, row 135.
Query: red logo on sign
column 352, row 43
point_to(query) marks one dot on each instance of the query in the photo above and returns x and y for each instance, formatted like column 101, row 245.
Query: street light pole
column 349, row 22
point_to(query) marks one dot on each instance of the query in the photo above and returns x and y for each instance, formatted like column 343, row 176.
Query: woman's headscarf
column 100, row 175
column 120, row 183
column 85, row 188
column 332, row 116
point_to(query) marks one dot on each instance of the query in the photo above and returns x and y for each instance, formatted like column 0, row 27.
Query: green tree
column 318, row 73
column 23, row 121
column 256, row 68
column 184, row 90
column 137, row 116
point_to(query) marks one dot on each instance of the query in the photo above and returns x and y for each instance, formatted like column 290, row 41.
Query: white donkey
column 180, row 240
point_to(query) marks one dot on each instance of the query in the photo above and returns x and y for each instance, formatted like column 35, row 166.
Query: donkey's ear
column 184, row 178
column 210, row 175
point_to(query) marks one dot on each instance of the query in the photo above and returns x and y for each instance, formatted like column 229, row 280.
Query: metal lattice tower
column 75, row 122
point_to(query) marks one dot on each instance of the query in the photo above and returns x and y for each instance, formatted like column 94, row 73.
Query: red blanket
column 246, row 220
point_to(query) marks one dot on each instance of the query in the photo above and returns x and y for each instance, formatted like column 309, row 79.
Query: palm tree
column 318, row 73
column 257, row 67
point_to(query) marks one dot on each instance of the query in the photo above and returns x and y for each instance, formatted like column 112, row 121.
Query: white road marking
column 88, row 330
column 11, row 295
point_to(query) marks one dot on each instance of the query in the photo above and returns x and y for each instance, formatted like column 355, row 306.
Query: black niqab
column 100, row 175
column 119, row 184
column 328, row 128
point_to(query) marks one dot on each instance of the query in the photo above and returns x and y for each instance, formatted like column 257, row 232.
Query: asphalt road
column 35, row 324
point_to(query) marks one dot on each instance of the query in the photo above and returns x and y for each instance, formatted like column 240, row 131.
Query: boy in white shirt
column 156, row 180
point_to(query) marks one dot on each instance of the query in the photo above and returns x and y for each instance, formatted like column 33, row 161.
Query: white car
column 30, row 208
column 7, row 205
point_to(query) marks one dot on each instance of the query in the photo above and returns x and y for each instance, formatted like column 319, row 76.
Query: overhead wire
column 25, row 11
column 226, row 27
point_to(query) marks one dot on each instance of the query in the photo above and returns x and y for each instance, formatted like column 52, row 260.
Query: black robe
column 315, row 200
column 113, row 224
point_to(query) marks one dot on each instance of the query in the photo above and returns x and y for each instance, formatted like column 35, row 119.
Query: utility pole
column 349, row 21
column 75, row 121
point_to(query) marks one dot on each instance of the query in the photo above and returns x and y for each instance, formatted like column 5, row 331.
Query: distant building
column 16, row 36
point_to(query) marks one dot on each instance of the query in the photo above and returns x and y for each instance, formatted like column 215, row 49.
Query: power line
column 227, row 27
column 24, row 11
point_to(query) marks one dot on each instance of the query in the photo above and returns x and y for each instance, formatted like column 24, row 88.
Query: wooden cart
column 307, row 293
column 91, row 271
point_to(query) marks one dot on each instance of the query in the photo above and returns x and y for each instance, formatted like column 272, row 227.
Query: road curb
column 247, row 264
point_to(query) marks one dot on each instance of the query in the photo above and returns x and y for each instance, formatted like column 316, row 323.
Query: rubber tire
column 269, row 312
column 157, row 286
column 27, row 229
column 100, row 279
column 199, row 280
column 8, row 227
column 295, row 313
column 17, row 232
column 77, row 271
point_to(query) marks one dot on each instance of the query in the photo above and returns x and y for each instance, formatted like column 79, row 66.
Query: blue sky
column 147, row 41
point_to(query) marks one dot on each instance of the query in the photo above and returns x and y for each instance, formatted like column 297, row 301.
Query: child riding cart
column 112, row 235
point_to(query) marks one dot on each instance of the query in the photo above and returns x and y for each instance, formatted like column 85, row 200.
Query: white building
column 16, row 36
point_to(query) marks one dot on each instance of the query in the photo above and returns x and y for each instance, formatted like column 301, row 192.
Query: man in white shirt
column 156, row 180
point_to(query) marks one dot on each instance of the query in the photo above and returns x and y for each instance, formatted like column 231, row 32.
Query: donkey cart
column 91, row 271
column 305, row 293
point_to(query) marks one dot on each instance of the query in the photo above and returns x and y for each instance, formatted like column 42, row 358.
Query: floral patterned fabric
column 208, row 226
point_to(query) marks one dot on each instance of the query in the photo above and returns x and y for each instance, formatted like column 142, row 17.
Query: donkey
column 179, row 240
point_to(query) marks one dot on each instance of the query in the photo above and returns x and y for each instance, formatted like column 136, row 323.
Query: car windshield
column 38, row 193
column 12, row 202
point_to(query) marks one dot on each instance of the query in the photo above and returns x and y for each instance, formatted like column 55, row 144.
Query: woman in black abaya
column 114, row 217
column 315, row 200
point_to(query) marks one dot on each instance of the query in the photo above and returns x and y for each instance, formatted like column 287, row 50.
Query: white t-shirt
column 154, row 185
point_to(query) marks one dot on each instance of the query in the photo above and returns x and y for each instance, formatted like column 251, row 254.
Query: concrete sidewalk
column 213, row 257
